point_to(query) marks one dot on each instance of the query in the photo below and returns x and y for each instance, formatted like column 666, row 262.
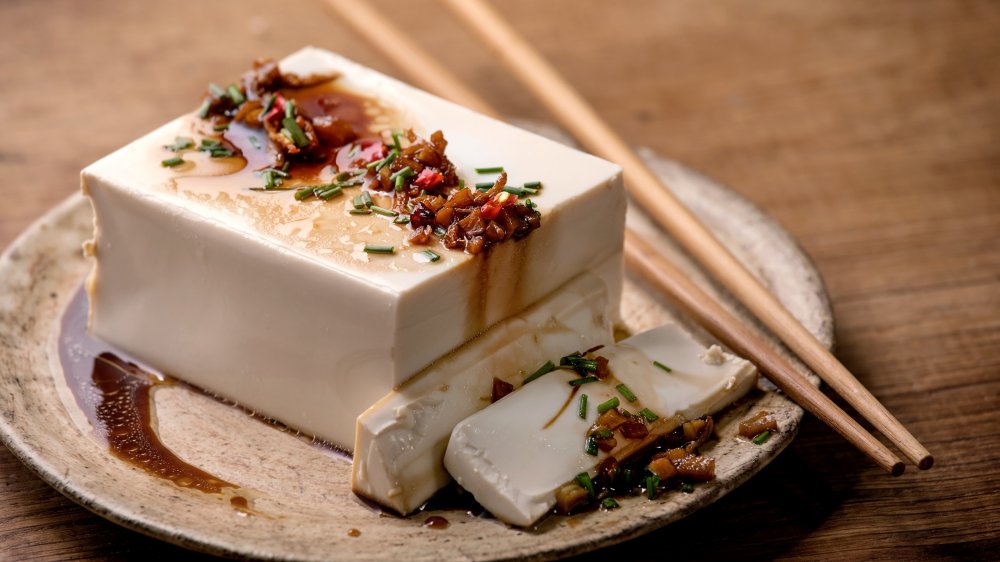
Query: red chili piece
column 428, row 178
column 491, row 208
column 277, row 108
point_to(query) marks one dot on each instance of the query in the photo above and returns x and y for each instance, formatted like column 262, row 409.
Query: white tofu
column 515, row 454
column 401, row 440
column 270, row 301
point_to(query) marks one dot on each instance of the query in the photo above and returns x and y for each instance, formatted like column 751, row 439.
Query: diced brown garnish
column 607, row 445
column 696, row 467
column 696, row 432
column 606, row 471
column 662, row 467
column 760, row 422
column 333, row 131
column 675, row 454
column 421, row 236
column 602, row 371
column 501, row 388
column 611, row 419
column 634, row 429
column 569, row 497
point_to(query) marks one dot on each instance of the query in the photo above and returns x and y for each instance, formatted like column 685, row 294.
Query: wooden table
column 871, row 130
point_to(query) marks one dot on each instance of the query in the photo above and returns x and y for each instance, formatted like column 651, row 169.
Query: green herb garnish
column 361, row 211
column 431, row 255
column 533, row 184
column 662, row 366
column 490, row 170
column 762, row 437
column 652, row 482
column 395, row 140
column 608, row 405
column 590, row 446
column 583, row 479
column 180, row 143
column 649, row 415
column 582, row 380
column 366, row 199
column 235, row 94
column 220, row 128
column 294, row 131
column 687, row 487
column 216, row 91
column 370, row 249
column 290, row 109
column 440, row 231
column 401, row 219
column 203, row 110
column 171, row 162
column 520, row 191
column 545, row 369
column 383, row 211
column 609, row 503
column 626, row 392
column 583, row 406
column 604, row 433
column 268, row 104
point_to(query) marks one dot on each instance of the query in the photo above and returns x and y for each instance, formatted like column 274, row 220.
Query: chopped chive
column 235, row 94
column 590, row 446
column 545, row 369
column 520, row 191
column 440, row 231
column 382, row 211
column 533, row 184
column 366, row 199
column 171, row 162
column 269, row 104
column 401, row 219
column 762, row 437
column 361, row 211
column 626, row 392
column 609, row 503
column 604, row 433
column 290, row 109
column 305, row 193
column 358, row 202
column 387, row 160
column 483, row 186
column 330, row 192
column 220, row 128
column 431, row 255
column 662, row 366
column 530, row 204
column 649, row 415
column 180, row 143
column 203, row 110
column 626, row 413
column 490, row 170
column 627, row 478
column 687, row 487
column 652, row 482
column 402, row 172
column 607, row 405
column 398, row 184
column 371, row 249
column 220, row 152
column 395, row 140
column 298, row 137
column 207, row 144
column 461, row 183
column 582, row 380
column 583, row 406
column 216, row 91
column 583, row 479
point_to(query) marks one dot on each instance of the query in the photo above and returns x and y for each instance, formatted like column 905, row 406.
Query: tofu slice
column 401, row 440
column 515, row 454
column 272, row 302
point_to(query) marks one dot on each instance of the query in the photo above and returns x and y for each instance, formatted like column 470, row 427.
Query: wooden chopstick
column 652, row 267
column 574, row 113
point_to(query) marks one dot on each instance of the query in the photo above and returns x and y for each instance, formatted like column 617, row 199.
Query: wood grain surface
column 869, row 129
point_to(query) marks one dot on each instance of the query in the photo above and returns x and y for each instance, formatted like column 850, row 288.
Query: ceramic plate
column 301, row 496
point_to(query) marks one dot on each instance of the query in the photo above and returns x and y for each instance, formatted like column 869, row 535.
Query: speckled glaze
column 301, row 494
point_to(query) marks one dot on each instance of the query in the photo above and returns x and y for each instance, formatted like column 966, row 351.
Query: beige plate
column 301, row 491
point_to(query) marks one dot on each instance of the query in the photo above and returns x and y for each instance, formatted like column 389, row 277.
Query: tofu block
column 514, row 455
column 272, row 302
column 401, row 439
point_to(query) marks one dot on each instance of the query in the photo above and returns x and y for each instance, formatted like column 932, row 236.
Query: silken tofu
column 272, row 302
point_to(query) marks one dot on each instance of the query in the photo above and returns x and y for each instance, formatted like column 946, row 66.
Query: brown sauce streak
column 116, row 396
column 565, row 405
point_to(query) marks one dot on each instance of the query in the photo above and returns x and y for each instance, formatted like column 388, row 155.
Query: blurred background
column 870, row 129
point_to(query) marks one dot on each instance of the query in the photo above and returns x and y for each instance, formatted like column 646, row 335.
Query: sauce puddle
column 115, row 394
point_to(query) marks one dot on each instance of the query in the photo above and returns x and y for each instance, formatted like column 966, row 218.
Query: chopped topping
column 762, row 438
column 583, row 479
column 583, row 406
column 501, row 388
column 608, row 405
column 548, row 367
column 180, row 143
column 626, row 392
column 171, row 162
column 590, row 446
column 490, row 170
column 431, row 255
column 652, row 483
column 371, row 249
column 634, row 428
column 582, row 380
column 609, row 503
column 662, row 366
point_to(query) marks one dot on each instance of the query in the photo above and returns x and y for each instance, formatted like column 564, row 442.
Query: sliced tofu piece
column 400, row 441
column 515, row 454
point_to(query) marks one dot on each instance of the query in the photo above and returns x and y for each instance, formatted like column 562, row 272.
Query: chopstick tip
column 926, row 462
column 897, row 468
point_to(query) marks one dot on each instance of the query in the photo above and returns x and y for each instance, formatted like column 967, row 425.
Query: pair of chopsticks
column 582, row 121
